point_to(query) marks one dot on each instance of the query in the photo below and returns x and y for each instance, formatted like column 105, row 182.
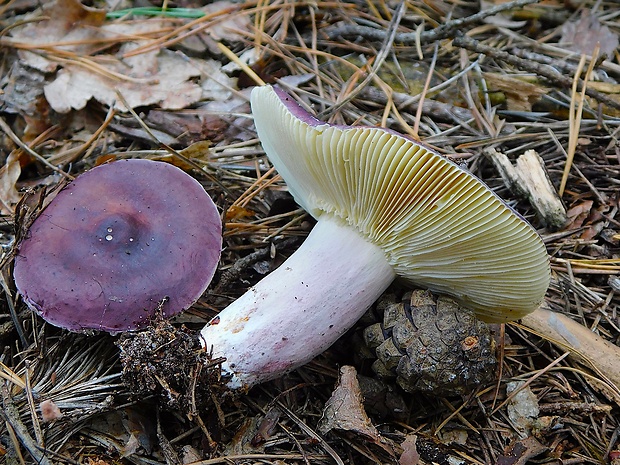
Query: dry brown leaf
column 410, row 455
column 232, row 29
column 521, row 452
column 345, row 410
column 67, row 21
column 582, row 36
column 9, row 174
column 164, row 78
column 578, row 214
column 161, row 78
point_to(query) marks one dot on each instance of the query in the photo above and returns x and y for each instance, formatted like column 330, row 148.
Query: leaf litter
column 515, row 81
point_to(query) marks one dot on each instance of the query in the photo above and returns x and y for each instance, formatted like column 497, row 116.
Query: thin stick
column 531, row 380
column 586, row 347
column 547, row 72
column 427, row 83
column 235, row 59
column 386, row 48
column 11, row 415
column 413, row 38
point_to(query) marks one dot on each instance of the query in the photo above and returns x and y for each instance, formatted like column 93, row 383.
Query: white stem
column 301, row 308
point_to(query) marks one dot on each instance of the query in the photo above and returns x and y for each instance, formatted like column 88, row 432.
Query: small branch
column 548, row 72
column 11, row 416
column 408, row 38
column 586, row 347
column 231, row 274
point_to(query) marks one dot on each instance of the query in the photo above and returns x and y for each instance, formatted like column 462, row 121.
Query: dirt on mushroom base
column 169, row 362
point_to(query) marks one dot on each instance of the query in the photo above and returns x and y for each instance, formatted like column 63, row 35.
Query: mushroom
column 115, row 243
column 386, row 206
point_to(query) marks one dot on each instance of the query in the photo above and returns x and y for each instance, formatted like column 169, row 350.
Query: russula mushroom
column 386, row 207
column 115, row 243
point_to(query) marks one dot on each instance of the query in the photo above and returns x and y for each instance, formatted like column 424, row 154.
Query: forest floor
column 480, row 82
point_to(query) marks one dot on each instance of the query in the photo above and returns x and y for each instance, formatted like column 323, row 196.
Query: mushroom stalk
column 301, row 308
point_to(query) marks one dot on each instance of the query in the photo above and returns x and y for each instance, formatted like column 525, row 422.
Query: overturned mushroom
column 386, row 207
column 116, row 242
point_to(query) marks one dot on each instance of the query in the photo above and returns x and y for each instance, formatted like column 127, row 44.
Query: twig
column 237, row 268
column 576, row 112
column 439, row 110
column 461, row 40
column 234, row 458
column 11, row 304
column 11, row 415
column 427, row 83
column 531, row 380
column 310, row 432
column 386, row 49
column 409, row 38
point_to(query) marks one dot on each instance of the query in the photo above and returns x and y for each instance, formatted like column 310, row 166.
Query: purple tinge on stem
column 115, row 243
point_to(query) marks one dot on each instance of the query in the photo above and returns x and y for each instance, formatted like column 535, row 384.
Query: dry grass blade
column 576, row 113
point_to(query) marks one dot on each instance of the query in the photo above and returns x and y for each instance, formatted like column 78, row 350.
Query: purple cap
column 116, row 242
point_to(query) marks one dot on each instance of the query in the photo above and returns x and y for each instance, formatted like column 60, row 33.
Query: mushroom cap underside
column 115, row 243
column 439, row 226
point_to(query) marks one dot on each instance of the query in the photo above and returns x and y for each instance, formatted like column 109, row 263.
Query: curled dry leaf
column 9, row 174
column 345, row 410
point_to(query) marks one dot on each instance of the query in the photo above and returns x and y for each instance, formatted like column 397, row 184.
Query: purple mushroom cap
column 115, row 243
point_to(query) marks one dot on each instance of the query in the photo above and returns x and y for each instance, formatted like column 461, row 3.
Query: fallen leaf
column 67, row 32
column 266, row 428
column 410, row 454
column 583, row 35
column 521, row 452
column 345, row 410
column 9, row 174
column 578, row 214
column 233, row 28
column 65, row 22
column 161, row 78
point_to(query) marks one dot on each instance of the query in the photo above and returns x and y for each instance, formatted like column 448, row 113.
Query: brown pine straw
column 576, row 113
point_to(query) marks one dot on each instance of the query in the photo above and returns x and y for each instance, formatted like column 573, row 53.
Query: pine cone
column 430, row 344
